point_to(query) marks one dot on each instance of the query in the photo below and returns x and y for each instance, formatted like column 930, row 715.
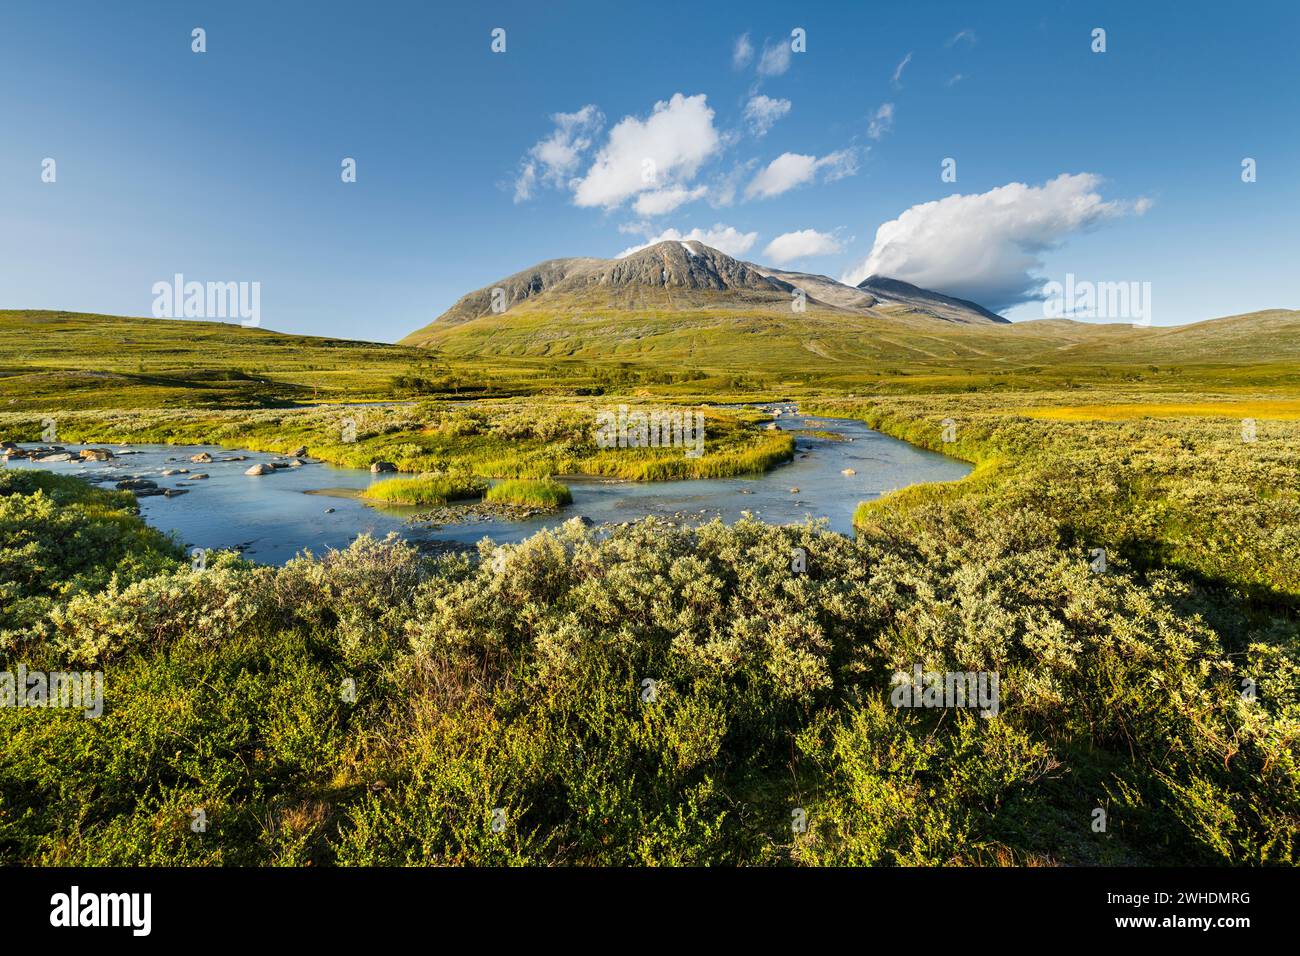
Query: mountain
column 679, row 274
column 684, row 307
column 887, row 291
column 687, row 277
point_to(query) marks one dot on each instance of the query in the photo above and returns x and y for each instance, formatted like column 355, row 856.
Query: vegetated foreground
column 697, row 695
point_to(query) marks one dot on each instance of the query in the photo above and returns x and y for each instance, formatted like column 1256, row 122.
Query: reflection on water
column 272, row 517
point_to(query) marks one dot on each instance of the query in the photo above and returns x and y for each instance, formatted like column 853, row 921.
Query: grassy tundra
column 668, row 695
column 514, row 689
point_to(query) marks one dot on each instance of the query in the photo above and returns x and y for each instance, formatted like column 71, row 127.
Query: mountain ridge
column 683, row 275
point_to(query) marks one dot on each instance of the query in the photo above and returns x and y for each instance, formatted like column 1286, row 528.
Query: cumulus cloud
column 651, row 155
column 742, row 52
column 988, row 246
column 882, row 122
column 897, row 79
column 775, row 59
column 662, row 201
column 553, row 160
column 798, row 245
column 762, row 112
column 794, row 169
column 723, row 238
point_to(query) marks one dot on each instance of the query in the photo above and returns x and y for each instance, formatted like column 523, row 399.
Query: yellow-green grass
column 60, row 361
column 535, row 492
column 425, row 490
column 1276, row 409
column 493, row 440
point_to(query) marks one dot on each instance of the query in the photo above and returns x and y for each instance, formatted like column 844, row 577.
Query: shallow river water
column 271, row 518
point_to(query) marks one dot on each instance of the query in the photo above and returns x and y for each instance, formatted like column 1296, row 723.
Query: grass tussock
column 426, row 490
column 534, row 492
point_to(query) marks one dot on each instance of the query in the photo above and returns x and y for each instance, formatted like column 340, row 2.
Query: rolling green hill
column 70, row 360
column 81, row 360
column 896, row 347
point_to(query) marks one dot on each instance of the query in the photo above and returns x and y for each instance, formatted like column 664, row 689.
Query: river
column 271, row 518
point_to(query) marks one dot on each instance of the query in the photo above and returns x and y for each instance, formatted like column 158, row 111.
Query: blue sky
column 225, row 166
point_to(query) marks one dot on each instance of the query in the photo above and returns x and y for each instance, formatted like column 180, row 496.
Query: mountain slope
column 887, row 291
column 824, row 288
column 518, row 287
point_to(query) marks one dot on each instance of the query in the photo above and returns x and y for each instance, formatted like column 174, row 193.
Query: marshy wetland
column 309, row 504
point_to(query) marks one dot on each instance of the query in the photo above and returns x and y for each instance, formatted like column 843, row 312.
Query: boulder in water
column 135, row 484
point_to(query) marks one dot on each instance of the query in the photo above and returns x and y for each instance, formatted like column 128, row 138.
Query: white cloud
column 794, row 169
column 666, row 200
column 882, row 122
column 526, row 182
column 722, row 192
column 723, row 238
column 775, row 59
column 987, row 246
column 838, row 165
column 651, row 155
column 762, row 112
column 956, row 78
column 960, row 35
column 898, row 71
column 742, row 53
column 798, row 245
column 553, row 160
